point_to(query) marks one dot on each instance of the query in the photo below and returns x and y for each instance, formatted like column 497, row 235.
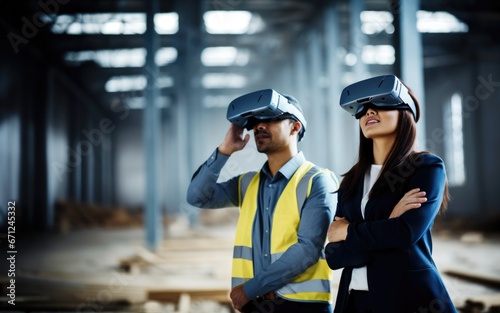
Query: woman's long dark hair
column 402, row 154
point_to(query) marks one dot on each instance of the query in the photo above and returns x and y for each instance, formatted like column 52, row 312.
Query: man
column 285, row 211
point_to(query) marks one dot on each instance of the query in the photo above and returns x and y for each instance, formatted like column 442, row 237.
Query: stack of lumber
column 71, row 215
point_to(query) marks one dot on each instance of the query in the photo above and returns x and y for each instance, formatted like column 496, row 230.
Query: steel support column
column 75, row 162
column 357, row 39
column 89, row 165
column 106, row 173
column 316, row 116
column 190, row 125
column 340, row 147
column 152, row 143
column 409, row 56
column 40, row 150
column 50, row 144
column 301, row 92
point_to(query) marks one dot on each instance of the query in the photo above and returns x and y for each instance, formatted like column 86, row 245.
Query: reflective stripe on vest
column 314, row 283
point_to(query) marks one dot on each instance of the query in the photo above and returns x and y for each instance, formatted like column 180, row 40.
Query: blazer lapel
column 354, row 212
column 371, row 211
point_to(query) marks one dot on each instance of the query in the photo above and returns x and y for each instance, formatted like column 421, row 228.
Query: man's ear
column 296, row 127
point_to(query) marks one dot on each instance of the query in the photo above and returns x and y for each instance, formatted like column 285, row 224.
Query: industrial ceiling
column 101, row 43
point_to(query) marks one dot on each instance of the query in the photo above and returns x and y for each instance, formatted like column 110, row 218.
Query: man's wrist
column 223, row 150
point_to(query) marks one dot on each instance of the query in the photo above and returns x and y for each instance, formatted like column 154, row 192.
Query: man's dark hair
column 292, row 100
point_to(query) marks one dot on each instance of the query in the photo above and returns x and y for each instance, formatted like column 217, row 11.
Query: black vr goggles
column 385, row 92
column 247, row 110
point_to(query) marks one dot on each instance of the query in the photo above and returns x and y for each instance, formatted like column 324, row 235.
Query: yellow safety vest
column 313, row 284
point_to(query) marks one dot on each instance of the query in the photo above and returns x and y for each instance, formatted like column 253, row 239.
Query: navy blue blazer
column 402, row 276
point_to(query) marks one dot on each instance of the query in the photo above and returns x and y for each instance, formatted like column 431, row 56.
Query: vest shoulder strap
column 305, row 184
column 304, row 187
column 244, row 181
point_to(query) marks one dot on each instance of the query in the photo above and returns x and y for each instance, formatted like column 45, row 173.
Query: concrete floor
column 81, row 267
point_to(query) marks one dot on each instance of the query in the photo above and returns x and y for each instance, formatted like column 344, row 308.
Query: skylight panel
column 122, row 57
column 165, row 56
column 382, row 54
column 101, row 23
column 376, row 22
column 439, row 22
column 139, row 103
column 227, row 22
column 167, row 23
column 110, row 58
column 134, row 83
column 224, row 56
column 223, row 80
column 114, row 23
column 61, row 23
column 125, row 83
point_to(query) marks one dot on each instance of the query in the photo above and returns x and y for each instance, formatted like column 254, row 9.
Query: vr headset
column 247, row 110
column 385, row 92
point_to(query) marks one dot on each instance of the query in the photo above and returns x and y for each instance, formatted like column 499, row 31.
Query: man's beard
column 262, row 148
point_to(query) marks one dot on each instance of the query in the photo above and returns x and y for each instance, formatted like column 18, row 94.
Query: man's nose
column 260, row 125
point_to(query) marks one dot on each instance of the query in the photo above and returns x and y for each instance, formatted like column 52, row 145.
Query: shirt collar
column 289, row 168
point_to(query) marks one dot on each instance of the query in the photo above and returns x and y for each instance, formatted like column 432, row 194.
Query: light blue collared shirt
column 317, row 212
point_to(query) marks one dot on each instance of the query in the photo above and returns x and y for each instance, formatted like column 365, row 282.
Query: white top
column 359, row 280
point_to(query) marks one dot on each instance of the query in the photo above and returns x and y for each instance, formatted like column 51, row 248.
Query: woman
column 387, row 203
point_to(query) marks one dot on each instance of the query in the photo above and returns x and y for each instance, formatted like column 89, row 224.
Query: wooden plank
column 178, row 262
column 80, row 291
column 217, row 295
column 470, row 275
column 53, row 306
column 197, row 244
